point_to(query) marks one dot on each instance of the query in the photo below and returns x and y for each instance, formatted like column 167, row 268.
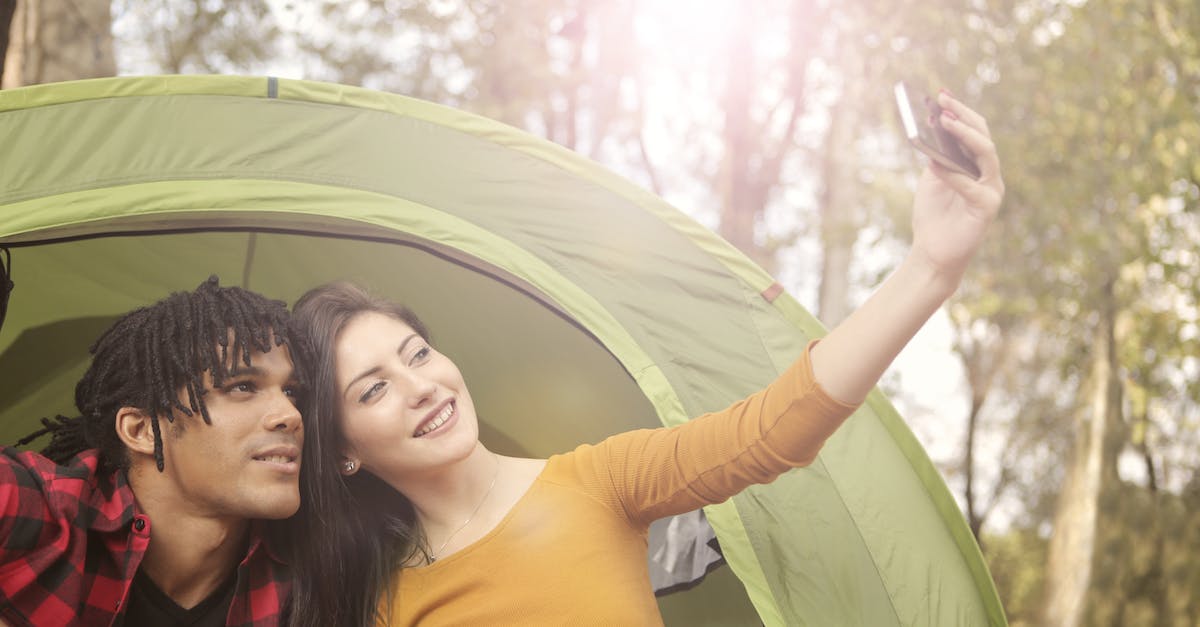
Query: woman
column 455, row 534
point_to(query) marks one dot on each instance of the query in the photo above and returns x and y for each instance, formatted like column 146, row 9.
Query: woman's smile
column 434, row 423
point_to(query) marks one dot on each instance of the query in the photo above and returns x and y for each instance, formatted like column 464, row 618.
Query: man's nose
column 284, row 415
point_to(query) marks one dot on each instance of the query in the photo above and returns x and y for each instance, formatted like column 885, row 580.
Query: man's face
column 246, row 464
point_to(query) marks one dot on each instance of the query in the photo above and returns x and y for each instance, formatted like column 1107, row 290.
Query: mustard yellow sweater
column 573, row 550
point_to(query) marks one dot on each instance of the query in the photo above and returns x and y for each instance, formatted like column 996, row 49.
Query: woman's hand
column 952, row 211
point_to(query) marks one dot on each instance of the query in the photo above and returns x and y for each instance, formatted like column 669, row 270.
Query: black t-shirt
column 150, row 606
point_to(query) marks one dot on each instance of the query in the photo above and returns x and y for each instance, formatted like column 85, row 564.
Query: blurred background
column 1058, row 391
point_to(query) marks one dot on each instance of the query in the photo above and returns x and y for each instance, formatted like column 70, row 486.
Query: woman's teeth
column 436, row 422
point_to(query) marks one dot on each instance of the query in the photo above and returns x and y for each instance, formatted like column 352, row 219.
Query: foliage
column 779, row 113
column 1015, row 559
column 1142, row 530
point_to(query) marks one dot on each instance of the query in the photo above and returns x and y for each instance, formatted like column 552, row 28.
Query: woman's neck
column 445, row 497
column 460, row 505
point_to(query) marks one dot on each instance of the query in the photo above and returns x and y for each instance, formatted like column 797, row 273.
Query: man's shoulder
column 51, row 516
column 64, row 489
column 27, row 464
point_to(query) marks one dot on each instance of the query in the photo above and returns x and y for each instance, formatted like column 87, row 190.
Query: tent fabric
column 577, row 304
column 683, row 550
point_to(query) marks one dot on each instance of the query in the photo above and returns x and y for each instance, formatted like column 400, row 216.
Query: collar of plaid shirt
column 75, row 539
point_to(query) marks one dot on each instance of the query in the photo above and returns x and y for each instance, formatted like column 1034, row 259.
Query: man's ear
column 134, row 428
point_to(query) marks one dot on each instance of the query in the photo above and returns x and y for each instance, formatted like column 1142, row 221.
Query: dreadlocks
column 148, row 356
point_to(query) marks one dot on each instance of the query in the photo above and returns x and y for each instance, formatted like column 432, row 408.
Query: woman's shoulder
column 519, row 475
column 588, row 462
column 524, row 470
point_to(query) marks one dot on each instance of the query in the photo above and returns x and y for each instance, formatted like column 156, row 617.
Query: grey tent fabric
column 683, row 550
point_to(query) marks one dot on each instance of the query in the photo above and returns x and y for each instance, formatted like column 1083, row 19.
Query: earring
column 348, row 466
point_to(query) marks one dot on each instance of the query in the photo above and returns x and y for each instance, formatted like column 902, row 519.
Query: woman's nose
column 422, row 390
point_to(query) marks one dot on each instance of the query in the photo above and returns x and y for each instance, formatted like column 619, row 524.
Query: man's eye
column 244, row 387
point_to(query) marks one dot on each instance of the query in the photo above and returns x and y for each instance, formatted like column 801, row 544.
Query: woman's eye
column 422, row 354
column 371, row 392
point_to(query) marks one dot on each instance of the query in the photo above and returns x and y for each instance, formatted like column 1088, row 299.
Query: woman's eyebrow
column 377, row 368
column 359, row 378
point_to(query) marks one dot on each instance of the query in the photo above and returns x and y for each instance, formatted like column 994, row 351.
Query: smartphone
column 922, row 121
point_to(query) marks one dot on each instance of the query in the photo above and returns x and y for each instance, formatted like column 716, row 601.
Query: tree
column 1066, row 185
column 55, row 40
column 7, row 9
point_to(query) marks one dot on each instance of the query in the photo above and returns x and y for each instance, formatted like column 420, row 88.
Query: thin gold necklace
column 433, row 555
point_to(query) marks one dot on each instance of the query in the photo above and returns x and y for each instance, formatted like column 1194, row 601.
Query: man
column 130, row 519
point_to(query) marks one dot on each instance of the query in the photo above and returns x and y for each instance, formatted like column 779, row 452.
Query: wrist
column 924, row 276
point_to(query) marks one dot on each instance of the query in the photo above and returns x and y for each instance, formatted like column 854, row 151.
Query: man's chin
column 276, row 509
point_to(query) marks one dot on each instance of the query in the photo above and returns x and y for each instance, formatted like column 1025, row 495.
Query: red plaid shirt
column 71, row 541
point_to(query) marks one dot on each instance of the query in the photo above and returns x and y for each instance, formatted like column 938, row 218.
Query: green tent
column 576, row 304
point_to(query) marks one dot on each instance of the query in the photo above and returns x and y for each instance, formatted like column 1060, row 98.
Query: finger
column 955, row 179
column 976, row 194
column 968, row 115
column 979, row 145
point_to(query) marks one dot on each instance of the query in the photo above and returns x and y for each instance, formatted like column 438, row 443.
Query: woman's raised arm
column 951, row 213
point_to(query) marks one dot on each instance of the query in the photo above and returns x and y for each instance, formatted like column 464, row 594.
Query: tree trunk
column 753, row 161
column 1093, row 461
column 59, row 40
column 839, row 204
column 1153, row 583
column 7, row 9
column 974, row 516
column 739, row 211
column 984, row 358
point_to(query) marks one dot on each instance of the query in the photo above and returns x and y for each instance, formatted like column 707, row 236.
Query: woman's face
column 405, row 407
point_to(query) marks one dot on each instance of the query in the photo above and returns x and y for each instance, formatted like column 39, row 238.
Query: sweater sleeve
column 654, row 473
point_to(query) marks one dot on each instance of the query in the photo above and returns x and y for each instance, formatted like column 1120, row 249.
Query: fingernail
column 950, row 114
column 947, row 92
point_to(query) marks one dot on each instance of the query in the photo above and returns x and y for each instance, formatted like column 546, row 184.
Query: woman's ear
column 135, row 430
column 350, row 463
